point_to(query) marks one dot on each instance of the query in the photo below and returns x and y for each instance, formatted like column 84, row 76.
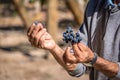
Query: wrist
column 92, row 60
column 54, row 48
column 91, row 57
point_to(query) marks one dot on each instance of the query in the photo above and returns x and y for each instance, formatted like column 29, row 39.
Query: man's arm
column 40, row 38
column 73, row 69
column 58, row 54
column 83, row 54
column 110, row 69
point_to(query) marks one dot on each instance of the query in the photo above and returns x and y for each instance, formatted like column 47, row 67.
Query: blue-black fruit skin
column 64, row 35
column 69, row 29
column 72, row 34
column 79, row 40
column 36, row 22
column 69, row 36
column 66, row 41
column 77, row 34
column 74, row 40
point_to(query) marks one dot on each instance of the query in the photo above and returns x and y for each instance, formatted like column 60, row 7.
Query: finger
column 70, row 58
column 35, row 27
column 31, row 41
column 36, row 30
column 68, row 64
column 76, row 48
column 30, row 30
column 82, row 47
column 40, row 25
column 71, row 67
column 42, row 39
column 67, row 51
column 39, row 35
column 77, row 52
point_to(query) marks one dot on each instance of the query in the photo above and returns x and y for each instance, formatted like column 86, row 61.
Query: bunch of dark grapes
column 70, row 36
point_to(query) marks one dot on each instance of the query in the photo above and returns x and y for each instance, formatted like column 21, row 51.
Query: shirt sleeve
column 79, row 70
column 118, row 74
column 117, row 77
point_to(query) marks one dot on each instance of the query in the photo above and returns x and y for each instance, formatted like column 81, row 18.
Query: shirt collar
column 111, row 6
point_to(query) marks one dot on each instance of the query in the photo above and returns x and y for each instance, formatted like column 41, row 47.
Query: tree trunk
column 76, row 10
column 22, row 12
column 53, row 18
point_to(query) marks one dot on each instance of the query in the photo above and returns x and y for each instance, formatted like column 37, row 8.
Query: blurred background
column 21, row 61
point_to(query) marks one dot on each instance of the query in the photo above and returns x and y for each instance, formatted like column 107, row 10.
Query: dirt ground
column 20, row 61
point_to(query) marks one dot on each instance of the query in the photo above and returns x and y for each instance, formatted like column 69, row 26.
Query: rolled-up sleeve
column 79, row 70
column 117, row 77
column 118, row 74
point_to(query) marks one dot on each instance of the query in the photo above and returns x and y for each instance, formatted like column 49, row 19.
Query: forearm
column 58, row 53
column 75, row 70
column 110, row 69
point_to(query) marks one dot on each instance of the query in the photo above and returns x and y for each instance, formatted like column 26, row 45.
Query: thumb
column 70, row 58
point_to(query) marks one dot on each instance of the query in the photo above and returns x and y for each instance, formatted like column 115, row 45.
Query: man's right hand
column 39, row 37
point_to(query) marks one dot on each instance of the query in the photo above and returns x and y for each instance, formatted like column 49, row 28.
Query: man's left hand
column 82, row 54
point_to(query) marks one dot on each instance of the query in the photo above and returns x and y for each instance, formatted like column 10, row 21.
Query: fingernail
column 67, row 64
column 33, row 24
column 44, row 29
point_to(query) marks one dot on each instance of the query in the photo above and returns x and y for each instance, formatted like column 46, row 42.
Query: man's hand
column 82, row 54
column 70, row 60
column 39, row 37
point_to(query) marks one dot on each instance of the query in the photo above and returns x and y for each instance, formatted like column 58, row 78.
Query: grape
column 36, row 22
column 69, row 29
column 77, row 34
column 72, row 34
column 79, row 39
column 69, row 36
column 66, row 41
column 64, row 34
column 75, row 40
